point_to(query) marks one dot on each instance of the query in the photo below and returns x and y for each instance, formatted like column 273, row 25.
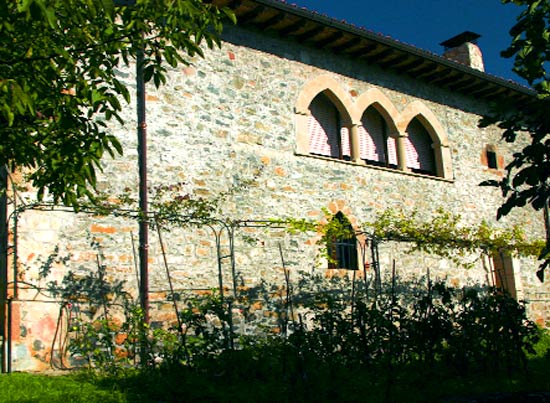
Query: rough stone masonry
column 230, row 118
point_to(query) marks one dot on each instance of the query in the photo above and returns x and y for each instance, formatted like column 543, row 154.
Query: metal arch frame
column 6, row 348
column 219, row 229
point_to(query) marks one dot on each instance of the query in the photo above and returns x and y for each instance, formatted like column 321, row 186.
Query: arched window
column 327, row 137
column 419, row 149
column 375, row 146
column 342, row 244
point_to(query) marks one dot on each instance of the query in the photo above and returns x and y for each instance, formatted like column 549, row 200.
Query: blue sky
column 427, row 23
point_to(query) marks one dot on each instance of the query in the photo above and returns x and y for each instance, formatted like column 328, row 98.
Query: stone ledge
column 396, row 171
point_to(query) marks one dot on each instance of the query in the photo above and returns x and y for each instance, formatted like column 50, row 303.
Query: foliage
column 91, row 302
column 173, row 205
column 465, row 330
column 445, row 234
column 436, row 336
column 59, row 81
column 468, row 330
column 328, row 339
column 92, row 287
column 527, row 179
column 542, row 348
column 530, row 45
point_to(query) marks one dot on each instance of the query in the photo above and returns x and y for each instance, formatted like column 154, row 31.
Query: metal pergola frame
column 219, row 228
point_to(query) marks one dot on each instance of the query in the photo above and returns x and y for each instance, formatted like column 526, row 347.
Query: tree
column 527, row 179
column 59, row 83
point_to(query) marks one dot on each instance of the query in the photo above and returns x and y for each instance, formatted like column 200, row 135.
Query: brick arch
column 375, row 98
column 327, row 85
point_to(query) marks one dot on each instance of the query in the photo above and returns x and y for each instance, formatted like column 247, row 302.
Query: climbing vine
column 446, row 234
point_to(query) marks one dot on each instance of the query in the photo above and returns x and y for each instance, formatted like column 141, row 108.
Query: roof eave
column 344, row 38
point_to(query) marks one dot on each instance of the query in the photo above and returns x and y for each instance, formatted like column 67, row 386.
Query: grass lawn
column 181, row 384
column 27, row 388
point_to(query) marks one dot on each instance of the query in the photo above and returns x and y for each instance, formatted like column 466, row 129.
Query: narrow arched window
column 327, row 137
column 419, row 149
column 375, row 145
column 342, row 244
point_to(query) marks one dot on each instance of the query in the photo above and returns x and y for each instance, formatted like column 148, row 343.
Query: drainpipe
column 547, row 221
column 3, row 263
column 142, row 162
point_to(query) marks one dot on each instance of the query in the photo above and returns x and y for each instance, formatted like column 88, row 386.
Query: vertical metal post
column 547, row 221
column 232, row 253
column 3, row 262
column 9, row 305
column 143, row 205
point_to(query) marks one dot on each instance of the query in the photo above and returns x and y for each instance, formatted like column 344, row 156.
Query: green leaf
column 77, row 44
column 96, row 96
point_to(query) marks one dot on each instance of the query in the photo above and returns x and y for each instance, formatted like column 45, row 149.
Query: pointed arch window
column 342, row 244
column 327, row 137
column 375, row 145
column 419, row 149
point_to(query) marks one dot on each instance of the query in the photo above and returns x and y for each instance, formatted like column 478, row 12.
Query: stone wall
column 230, row 118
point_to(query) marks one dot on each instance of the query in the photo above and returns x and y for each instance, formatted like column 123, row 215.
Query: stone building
column 295, row 116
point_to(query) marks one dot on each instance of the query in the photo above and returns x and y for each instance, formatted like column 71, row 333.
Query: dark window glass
column 492, row 160
column 342, row 245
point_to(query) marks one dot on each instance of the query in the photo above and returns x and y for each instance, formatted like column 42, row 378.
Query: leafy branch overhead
column 527, row 179
column 59, row 84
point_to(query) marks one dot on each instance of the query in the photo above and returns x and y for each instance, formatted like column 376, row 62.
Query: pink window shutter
column 323, row 128
column 392, row 150
column 371, row 136
column 346, row 144
column 367, row 147
column 420, row 154
column 413, row 161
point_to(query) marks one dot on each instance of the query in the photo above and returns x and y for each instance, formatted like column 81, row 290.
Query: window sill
column 378, row 168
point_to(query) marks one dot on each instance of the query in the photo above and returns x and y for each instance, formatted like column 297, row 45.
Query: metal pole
column 142, row 162
column 547, row 221
column 3, row 261
column 10, row 335
column 143, row 205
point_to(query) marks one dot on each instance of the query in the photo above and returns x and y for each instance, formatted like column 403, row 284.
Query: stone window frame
column 351, row 113
column 504, row 274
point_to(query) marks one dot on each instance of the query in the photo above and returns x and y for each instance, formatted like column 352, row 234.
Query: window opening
column 419, row 150
column 503, row 274
column 342, row 244
column 375, row 146
column 492, row 161
column 327, row 137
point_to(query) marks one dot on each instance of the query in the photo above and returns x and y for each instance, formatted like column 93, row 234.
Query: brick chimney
column 463, row 49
